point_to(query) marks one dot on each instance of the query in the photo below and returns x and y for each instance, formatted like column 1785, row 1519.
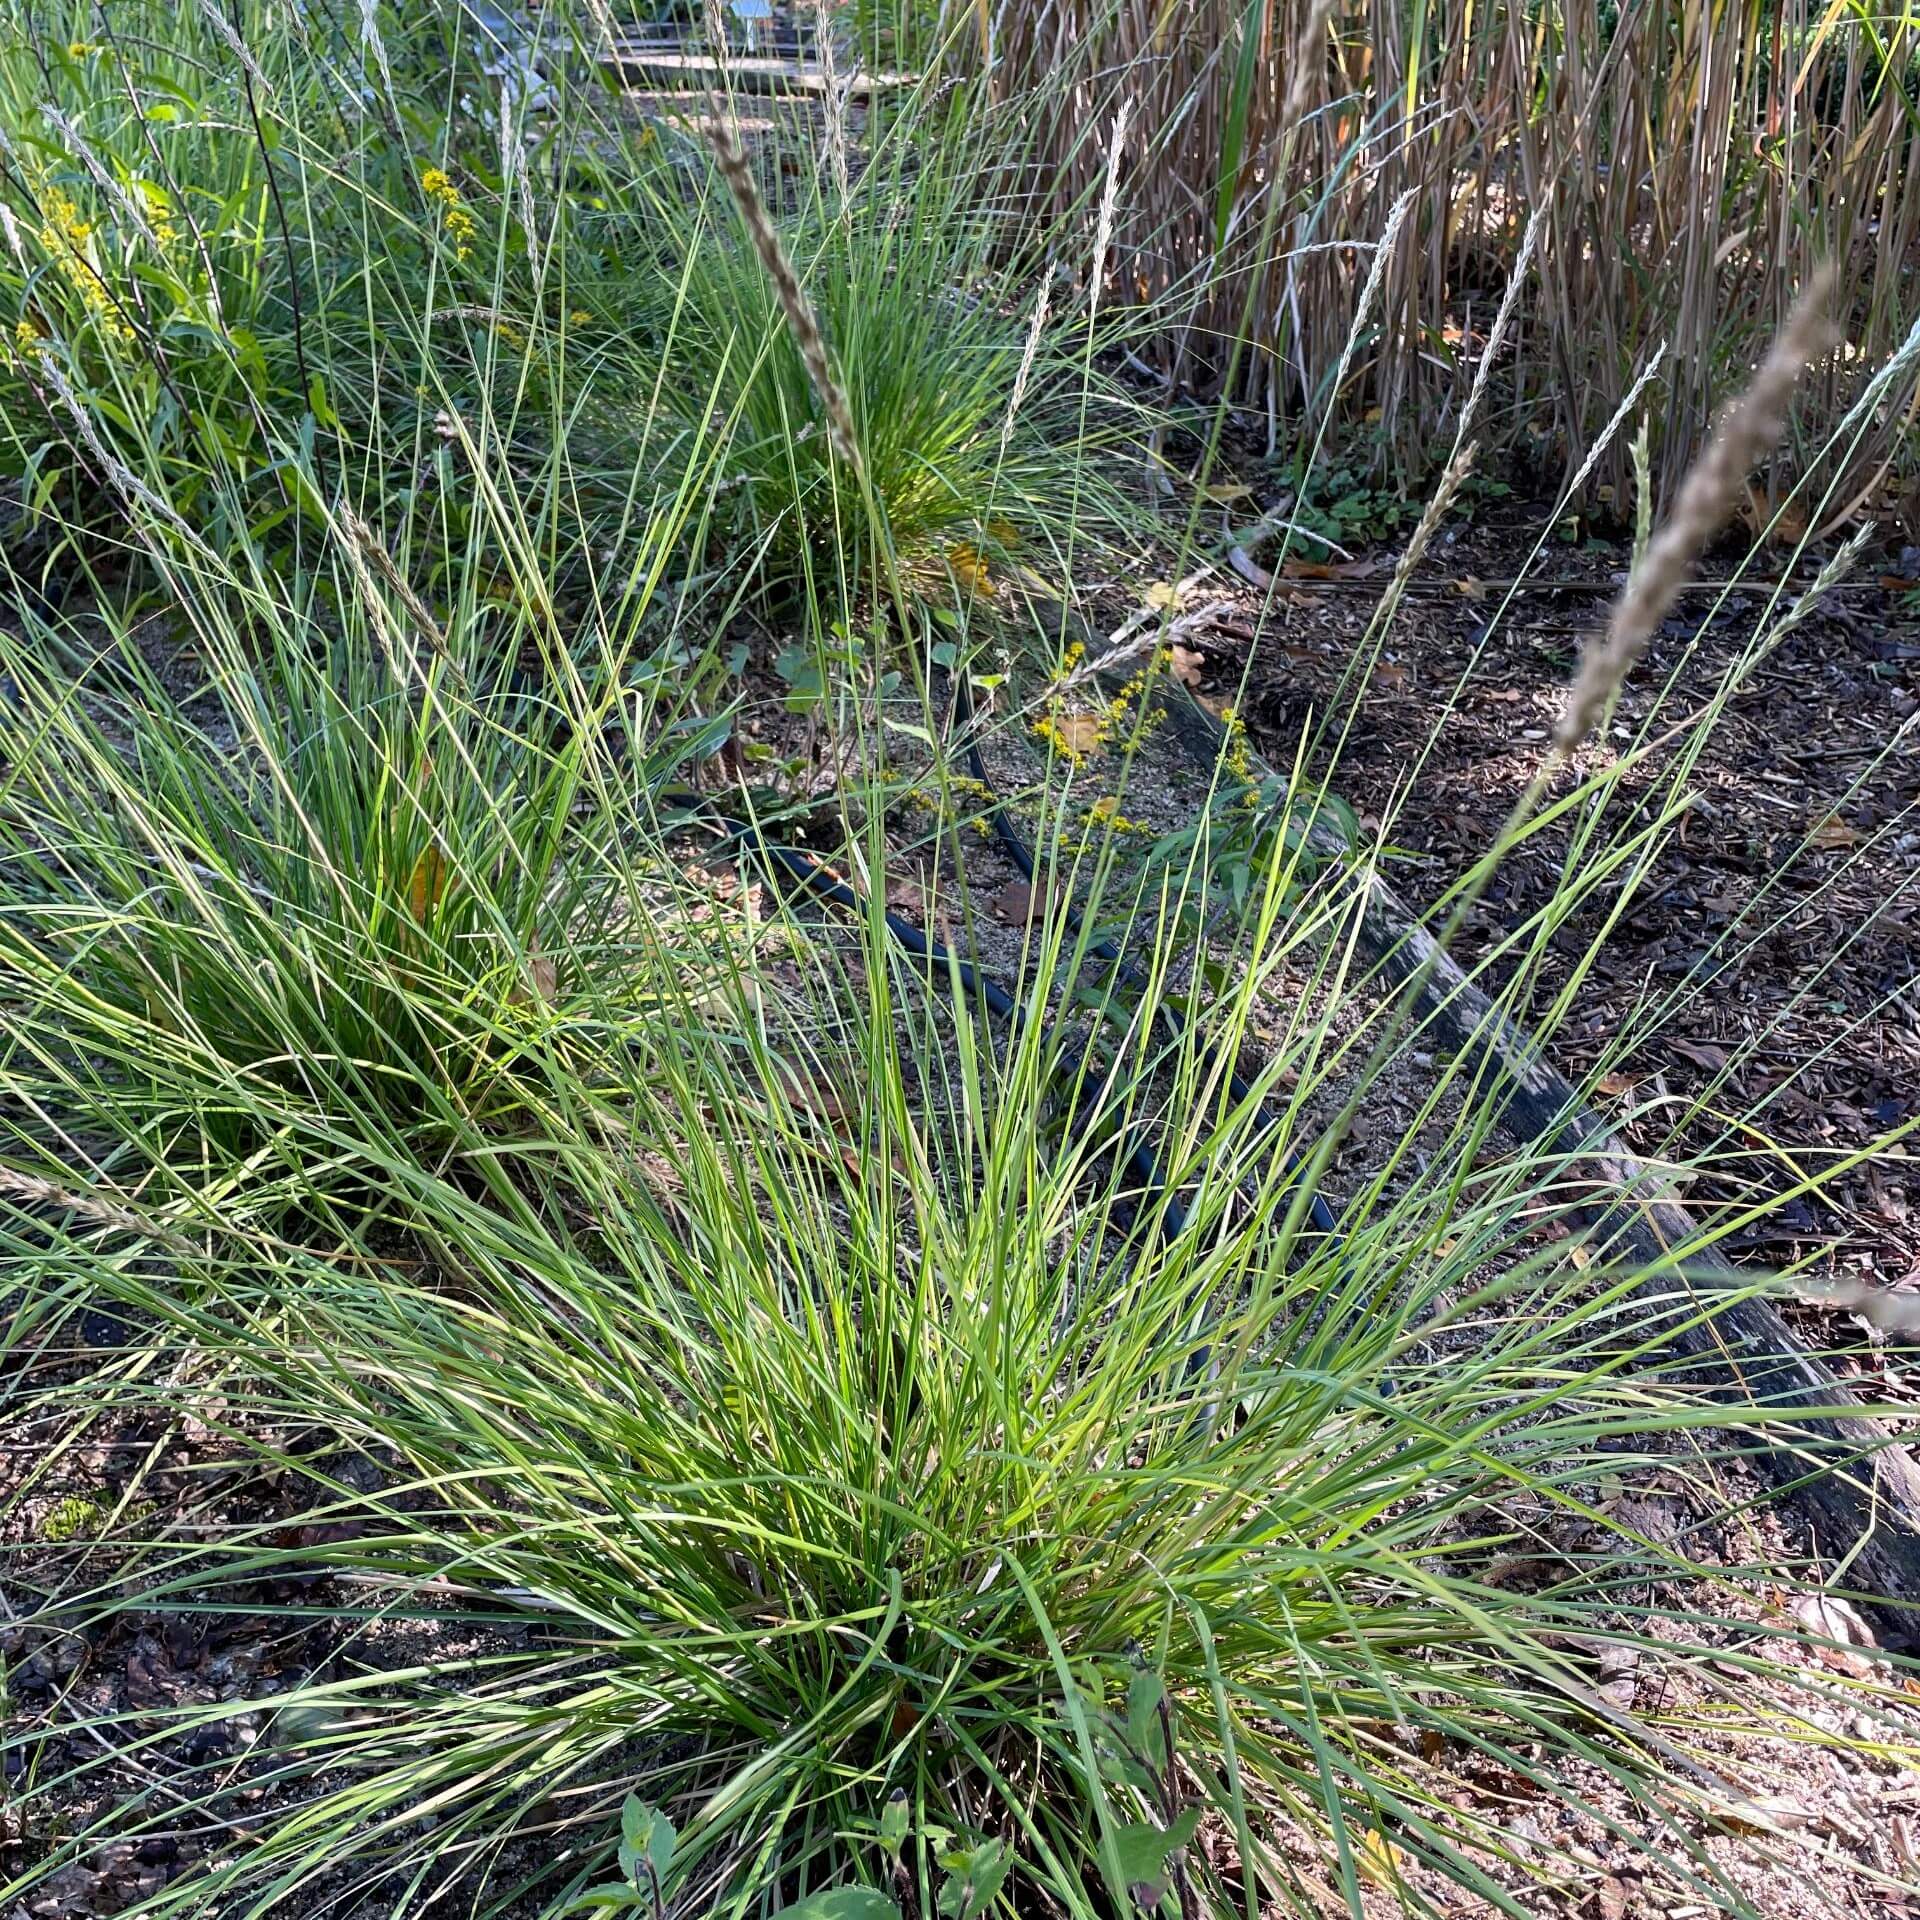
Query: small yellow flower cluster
column 456, row 219
column 82, row 49
column 1237, row 756
column 1105, row 812
column 66, row 238
column 26, row 337
column 159, row 216
column 1075, row 736
column 963, row 788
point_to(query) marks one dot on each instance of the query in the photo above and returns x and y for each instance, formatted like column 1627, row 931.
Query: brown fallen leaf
column 905, row 897
column 1780, row 518
column 1619, row 1675
column 1188, row 664
column 1615, row 1898
column 1388, row 674
column 541, row 982
column 1468, row 585
column 1714, row 1059
column 1016, row 904
column 1833, row 832
column 807, row 1087
column 1615, row 1086
column 1294, row 568
column 1827, row 1617
column 1079, row 733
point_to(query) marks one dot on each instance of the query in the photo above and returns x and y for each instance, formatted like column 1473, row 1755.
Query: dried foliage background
column 1694, row 164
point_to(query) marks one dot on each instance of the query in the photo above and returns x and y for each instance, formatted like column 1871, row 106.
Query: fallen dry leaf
column 1078, row 733
column 542, row 983
column 1293, row 568
column 1615, row 1086
column 1615, row 1898
column 1714, row 1059
column 969, row 567
column 1827, row 1617
column 808, row 1087
column 1161, row 595
column 1780, row 518
column 1388, row 674
column 1833, row 832
column 1471, row 587
column 1227, row 490
column 1378, row 1858
column 1188, row 664
column 1014, row 905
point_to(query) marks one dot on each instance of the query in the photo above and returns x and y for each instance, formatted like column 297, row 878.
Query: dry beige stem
column 1747, row 430
column 370, row 556
column 1895, row 1313
column 801, row 319
column 1028, row 355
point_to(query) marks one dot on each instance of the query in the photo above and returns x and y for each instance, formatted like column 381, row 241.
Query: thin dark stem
column 279, row 211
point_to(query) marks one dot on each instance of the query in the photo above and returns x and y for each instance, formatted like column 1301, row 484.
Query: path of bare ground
column 1780, row 929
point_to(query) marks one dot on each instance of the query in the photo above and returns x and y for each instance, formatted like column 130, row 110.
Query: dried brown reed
column 1687, row 164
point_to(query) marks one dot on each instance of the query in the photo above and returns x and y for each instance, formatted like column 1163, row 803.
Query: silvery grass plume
column 1747, row 430
column 835, row 101
column 1109, row 197
column 802, row 322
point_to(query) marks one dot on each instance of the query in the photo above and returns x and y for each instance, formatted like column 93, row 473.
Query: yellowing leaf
column 1228, row 490
column 428, row 885
column 970, row 568
column 1161, row 595
column 1378, row 1858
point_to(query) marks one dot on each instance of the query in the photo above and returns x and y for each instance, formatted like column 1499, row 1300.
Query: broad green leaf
column 645, row 1834
column 842, row 1903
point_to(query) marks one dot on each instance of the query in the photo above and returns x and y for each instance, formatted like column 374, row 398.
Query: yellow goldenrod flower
column 456, row 221
column 159, row 215
column 67, row 238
